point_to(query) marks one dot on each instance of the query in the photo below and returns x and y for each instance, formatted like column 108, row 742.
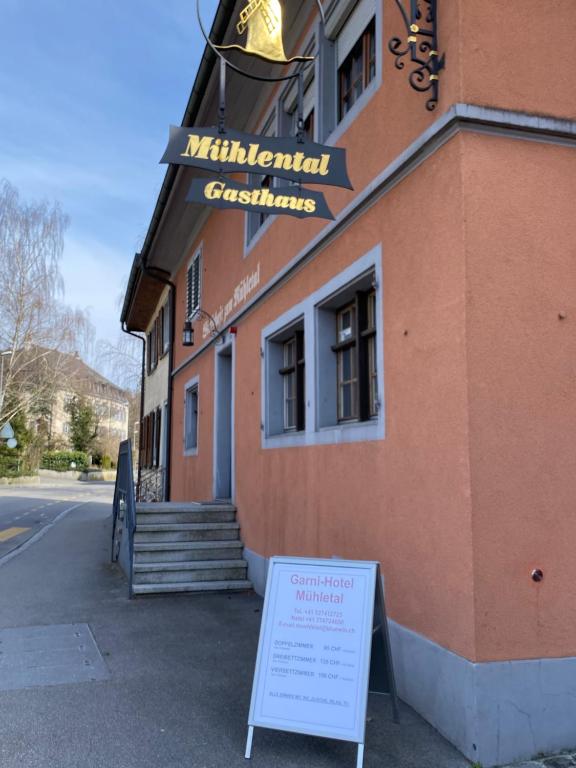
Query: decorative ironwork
column 151, row 487
column 201, row 314
column 422, row 45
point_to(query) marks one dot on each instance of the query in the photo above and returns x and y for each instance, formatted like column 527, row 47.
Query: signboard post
column 323, row 637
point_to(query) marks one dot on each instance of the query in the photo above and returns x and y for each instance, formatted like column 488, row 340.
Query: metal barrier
column 151, row 486
column 124, row 513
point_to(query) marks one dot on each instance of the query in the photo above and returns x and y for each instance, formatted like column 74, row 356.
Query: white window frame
column 319, row 332
column 191, row 386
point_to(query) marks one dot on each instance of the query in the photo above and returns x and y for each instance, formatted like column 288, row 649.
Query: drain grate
column 59, row 654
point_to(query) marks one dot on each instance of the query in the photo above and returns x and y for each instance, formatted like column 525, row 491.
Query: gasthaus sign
column 317, row 647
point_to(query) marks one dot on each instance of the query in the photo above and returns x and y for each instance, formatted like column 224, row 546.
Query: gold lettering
column 215, row 150
column 197, row 147
column 297, row 162
column 237, row 153
column 265, row 159
column 213, row 190
column 310, row 165
column 324, row 160
column 283, row 160
column 309, row 205
column 244, row 197
column 282, row 201
column 231, row 195
column 253, row 154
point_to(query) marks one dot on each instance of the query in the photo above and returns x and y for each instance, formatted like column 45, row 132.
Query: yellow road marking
column 9, row 533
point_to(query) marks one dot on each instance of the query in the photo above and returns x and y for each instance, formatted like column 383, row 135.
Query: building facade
column 147, row 309
column 397, row 384
column 108, row 401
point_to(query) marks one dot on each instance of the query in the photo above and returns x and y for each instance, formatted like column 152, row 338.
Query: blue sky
column 87, row 92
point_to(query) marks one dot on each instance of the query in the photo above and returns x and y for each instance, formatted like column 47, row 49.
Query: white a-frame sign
column 323, row 643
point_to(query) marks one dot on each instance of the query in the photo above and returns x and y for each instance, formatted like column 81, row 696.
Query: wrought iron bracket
column 201, row 314
column 422, row 45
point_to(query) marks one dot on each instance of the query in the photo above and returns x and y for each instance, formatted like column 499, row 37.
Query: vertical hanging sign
column 323, row 638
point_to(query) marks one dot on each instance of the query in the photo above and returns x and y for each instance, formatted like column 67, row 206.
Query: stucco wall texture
column 474, row 484
column 521, row 282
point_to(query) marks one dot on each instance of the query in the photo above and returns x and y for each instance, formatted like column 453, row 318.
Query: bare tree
column 36, row 328
column 121, row 360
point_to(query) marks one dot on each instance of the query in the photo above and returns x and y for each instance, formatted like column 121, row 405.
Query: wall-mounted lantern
column 422, row 45
column 188, row 330
column 188, row 334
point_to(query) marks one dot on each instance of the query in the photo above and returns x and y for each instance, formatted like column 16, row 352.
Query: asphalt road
column 25, row 510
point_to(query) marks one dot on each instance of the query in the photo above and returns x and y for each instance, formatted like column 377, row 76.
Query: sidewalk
column 171, row 688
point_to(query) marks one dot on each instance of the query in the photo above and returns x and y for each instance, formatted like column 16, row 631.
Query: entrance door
column 223, row 424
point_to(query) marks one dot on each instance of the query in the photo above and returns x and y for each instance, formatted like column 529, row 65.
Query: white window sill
column 353, row 432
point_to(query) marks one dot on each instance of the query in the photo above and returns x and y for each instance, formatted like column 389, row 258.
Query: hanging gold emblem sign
column 262, row 21
column 223, row 150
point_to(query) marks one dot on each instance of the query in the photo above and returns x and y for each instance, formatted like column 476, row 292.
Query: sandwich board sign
column 323, row 643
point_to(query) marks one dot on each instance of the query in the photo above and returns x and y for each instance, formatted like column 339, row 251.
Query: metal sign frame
column 375, row 662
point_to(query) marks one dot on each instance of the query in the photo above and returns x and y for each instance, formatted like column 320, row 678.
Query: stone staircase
column 187, row 547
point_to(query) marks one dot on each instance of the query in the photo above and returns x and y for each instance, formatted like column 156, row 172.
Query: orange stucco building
column 398, row 384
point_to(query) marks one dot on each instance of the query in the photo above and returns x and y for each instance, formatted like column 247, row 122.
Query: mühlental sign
column 226, row 193
column 323, row 643
column 231, row 152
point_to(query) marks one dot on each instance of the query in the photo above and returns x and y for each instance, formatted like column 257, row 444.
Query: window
column 285, row 385
column 355, row 350
column 157, row 433
column 166, row 327
column 323, row 363
column 256, row 219
column 347, row 369
column 152, row 347
column 191, row 417
column 309, row 126
column 193, row 285
column 292, row 373
column 357, row 70
column 348, row 62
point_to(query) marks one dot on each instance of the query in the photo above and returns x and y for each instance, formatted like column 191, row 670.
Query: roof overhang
column 143, row 293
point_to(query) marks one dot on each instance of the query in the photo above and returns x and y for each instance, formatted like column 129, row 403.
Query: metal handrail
column 124, row 513
column 152, row 485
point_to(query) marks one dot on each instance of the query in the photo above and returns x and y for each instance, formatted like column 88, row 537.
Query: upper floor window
column 357, row 70
column 166, row 327
column 255, row 220
column 193, row 284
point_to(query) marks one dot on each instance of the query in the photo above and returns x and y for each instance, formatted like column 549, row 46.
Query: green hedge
column 60, row 460
column 11, row 466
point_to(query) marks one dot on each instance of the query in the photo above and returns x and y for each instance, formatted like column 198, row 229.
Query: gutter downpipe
column 143, row 370
column 146, row 270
